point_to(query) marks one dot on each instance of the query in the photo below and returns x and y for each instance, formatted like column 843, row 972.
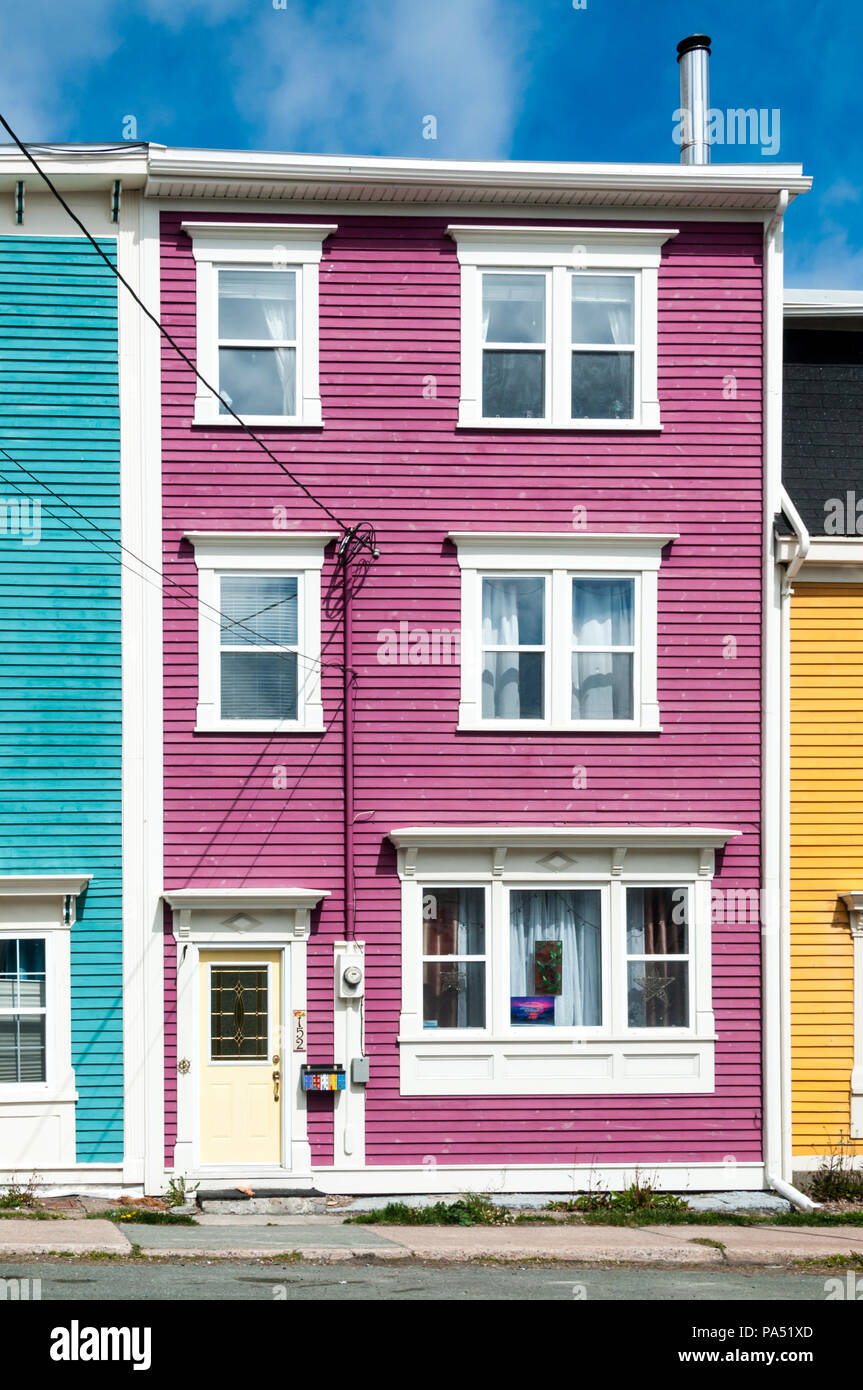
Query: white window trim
column 559, row 251
column 283, row 245
column 260, row 552
column 611, row 1060
column 854, row 904
column 42, row 907
column 559, row 556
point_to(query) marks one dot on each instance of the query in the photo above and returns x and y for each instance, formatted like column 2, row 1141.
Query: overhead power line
column 169, row 338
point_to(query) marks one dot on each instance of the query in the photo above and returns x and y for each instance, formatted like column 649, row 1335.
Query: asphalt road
column 82, row 1280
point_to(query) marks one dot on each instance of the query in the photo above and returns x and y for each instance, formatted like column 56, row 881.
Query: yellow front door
column 241, row 1107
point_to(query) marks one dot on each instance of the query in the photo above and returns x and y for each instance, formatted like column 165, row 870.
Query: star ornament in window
column 655, row 988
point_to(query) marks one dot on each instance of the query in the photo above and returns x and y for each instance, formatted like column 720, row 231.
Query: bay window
column 559, row 631
column 559, row 326
column 545, row 960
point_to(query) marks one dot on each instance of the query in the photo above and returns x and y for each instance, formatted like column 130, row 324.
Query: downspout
column 348, row 726
column 775, row 1084
column 785, row 592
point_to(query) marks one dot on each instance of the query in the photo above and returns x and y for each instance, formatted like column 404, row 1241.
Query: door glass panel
column 239, row 1026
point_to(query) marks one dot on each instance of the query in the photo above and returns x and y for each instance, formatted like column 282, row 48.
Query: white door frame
column 233, row 920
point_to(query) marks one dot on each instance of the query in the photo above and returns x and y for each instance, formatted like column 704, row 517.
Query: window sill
column 536, row 726
column 585, row 1065
column 260, row 726
column 561, row 426
column 282, row 422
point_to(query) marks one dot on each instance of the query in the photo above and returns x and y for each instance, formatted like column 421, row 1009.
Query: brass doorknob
column 277, row 1076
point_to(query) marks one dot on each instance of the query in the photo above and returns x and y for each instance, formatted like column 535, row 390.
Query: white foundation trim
column 523, row 1177
column 231, row 920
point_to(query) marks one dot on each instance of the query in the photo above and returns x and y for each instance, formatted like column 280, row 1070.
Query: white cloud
column 362, row 77
column 831, row 263
column 47, row 48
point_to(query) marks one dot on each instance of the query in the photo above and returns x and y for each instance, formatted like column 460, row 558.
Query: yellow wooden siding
column 826, row 853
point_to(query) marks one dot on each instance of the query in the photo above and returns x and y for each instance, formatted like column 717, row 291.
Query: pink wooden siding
column 389, row 320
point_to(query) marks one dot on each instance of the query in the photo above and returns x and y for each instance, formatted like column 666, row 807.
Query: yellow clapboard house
column 823, row 611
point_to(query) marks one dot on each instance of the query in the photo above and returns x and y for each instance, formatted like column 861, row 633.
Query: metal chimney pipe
column 692, row 55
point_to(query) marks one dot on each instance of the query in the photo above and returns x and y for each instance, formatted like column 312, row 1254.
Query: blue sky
column 506, row 79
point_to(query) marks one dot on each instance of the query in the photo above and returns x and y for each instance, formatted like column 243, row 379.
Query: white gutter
column 776, row 1090
column 797, row 1198
column 803, row 539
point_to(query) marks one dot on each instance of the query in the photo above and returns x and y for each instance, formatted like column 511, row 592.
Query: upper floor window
column 559, row 631
column 257, row 321
column 259, row 631
column 559, row 326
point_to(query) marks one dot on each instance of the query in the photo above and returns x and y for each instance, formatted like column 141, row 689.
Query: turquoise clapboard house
column 61, row 1042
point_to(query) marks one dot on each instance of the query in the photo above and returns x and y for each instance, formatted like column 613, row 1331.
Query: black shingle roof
column 822, row 418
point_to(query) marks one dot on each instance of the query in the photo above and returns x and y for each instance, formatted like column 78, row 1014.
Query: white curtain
column 602, row 616
column 274, row 293
column 602, row 309
column 573, row 917
column 500, row 627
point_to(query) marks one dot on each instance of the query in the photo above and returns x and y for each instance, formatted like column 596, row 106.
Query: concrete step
column 278, row 1205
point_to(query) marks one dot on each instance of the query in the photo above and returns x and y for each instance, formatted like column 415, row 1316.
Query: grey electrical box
column 360, row 1071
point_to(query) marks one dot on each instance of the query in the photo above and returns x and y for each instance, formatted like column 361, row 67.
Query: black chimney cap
column 694, row 41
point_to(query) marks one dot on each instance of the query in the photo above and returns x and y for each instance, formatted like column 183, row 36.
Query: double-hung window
column 559, row 631
column 257, row 321
column 259, row 631
column 559, row 326
column 258, row 341
column 541, row 960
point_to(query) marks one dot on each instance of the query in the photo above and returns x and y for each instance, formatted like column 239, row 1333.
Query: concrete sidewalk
column 28, row 1237
column 327, row 1238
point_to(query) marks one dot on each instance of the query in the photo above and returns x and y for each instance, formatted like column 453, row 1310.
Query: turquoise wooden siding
column 60, row 631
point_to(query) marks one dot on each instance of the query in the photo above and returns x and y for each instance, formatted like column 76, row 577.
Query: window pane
column 513, row 308
column 603, row 309
column 238, row 1012
column 658, row 994
column 454, row 994
column 454, row 922
column 602, row 685
column 656, row 922
column 513, row 611
column 513, row 385
column 31, row 1033
column 512, row 685
column 258, row 304
column 556, row 957
column 8, row 956
column 265, row 606
column 259, row 685
column 31, row 958
column 602, row 612
column 258, row 381
column 22, row 1049
column 602, row 385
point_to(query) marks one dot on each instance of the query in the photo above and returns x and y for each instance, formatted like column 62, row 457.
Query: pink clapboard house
column 464, row 841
